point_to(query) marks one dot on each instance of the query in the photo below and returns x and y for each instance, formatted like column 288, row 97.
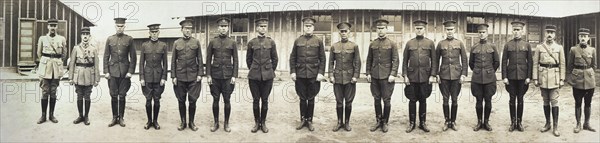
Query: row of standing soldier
column 423, row 64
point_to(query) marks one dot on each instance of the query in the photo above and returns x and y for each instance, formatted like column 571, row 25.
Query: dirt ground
column 20, row 110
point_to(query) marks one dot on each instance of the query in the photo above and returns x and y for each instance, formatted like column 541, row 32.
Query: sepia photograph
column 299, row 71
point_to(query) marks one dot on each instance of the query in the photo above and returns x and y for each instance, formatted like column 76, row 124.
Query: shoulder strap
column 550, row 53
column 583, row 55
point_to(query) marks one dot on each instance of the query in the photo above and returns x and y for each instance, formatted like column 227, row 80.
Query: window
column 473, row 22
column 26, row 42
column 239, row 24
column 395, row 24
column 323, row 22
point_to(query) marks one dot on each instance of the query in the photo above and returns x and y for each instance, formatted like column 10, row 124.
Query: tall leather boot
column 263, row 119
column 577, row 128
column 453, row 113
column 340, row 114
column 378, row 112
column 513, row 119
column 303, row 111
column 309, row 124
column 486, row 117
column 412, row 115
column 86, row 119
column 348, row 111
column 122, row 112
column 547, row 126
column 446, row 117
column 115, row 112
column 148, row 115
column 215, row 126
column 51, row 116
column 519, row 126
column 479, row 125
column 156, row 110
column 586, row 124
column 182, row 115
column 256, row 113
column 192, row 114
column 44, row 104
column 422, row 120
column 555, row 111
column 80, row 110
column 226, row 122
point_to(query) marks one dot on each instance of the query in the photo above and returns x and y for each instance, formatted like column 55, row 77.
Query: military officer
column 419, row 69
column 381, row 70
column 262, row 59
column 51, row 48
column 153, row 74
column 187, row 70
column 549, row 74
column 484, row 61
column 221, row 69
column 344, row 70
column 582, row 64
column 452, row 72
column 84, row 73
column 516, row 73
column 307, row 66
column 119, row 64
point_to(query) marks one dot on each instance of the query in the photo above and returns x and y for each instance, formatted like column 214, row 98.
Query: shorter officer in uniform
column 84, row 72
column 344, row 70
column 582, row 64
column 187, row 70
column 516, row 73
column 153, row 74
column 452, row 72
column 53, row 51
column 382, row 68
column 419, row 69
column 222, row 69
column 484, row 61
column 307, row 66
column 549, row 74
column 261, row 58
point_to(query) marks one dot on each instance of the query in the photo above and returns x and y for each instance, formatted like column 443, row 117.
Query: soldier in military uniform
column 261, row 59
column 119, row 64
column 452, row 72
column 84, row 72
column 187, row 70
column 344, row 70
column 516, row 73
column 549, row 74
column 153, row 74
column 307, row 66
column 582, row 64
column 419, row 70
column 484, row 61
column 221, row 69
column 51, row 48
column 381, row 70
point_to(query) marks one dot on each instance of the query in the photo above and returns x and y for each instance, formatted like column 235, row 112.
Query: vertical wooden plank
column 5, row 33
column 39, row 10
column 15, row 33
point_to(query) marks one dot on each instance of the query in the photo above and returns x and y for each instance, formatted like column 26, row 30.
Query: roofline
column 321, row 10
column 86, row 21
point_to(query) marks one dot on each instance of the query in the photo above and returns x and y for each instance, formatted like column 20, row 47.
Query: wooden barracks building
column 23, row 21
column 286, row 26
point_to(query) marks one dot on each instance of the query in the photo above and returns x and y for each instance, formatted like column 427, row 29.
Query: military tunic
column 186, row 66
column 549, row 70
column 153, row 67
column 582, row 63
column 53, row 52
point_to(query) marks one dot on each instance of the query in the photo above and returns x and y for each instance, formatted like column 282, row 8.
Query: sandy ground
column 20, row 110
